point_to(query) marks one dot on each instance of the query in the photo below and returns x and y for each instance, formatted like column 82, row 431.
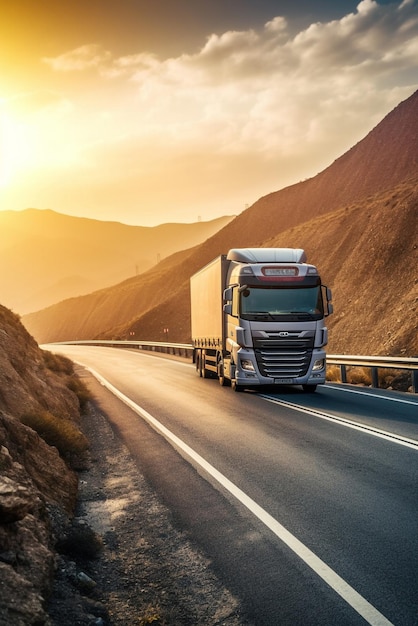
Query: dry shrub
column 359, row 376
column 64, row 367
column 80, row 541
column 399, row 380
column 79, row 388
column 151, row 615
column 334, row 373
column 61, row 433
column 58, row 363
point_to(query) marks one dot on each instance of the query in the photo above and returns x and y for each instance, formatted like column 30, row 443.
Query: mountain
column 358, row 222
column 50, row 256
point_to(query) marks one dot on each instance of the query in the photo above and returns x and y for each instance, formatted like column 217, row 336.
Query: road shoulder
column 147, row 571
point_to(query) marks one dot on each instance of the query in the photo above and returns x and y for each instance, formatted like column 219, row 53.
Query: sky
column 154, row 111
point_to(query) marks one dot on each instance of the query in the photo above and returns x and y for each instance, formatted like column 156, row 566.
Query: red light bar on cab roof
column 280, row 271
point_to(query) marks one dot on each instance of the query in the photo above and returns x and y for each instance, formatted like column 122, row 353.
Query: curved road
column 307, row 505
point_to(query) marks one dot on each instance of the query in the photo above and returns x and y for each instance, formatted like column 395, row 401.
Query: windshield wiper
column 303, row 314
column 260, row 314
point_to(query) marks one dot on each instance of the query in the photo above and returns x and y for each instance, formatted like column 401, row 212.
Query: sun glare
column 14, row 148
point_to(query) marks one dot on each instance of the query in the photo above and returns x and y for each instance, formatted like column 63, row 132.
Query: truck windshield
column 273, row 302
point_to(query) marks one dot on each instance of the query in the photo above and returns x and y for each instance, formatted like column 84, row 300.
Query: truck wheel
column 236, row 387
column 200, row 365
column 309, row 388
column 221, row 373
column 205, row 373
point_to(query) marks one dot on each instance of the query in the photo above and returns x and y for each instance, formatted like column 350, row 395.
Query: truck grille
column 284, row 356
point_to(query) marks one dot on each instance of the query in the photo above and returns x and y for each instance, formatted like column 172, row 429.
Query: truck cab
column 275, row 307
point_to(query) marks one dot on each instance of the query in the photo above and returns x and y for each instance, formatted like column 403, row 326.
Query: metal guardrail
column 177, row 349
column 343, row 361
column 376, row 363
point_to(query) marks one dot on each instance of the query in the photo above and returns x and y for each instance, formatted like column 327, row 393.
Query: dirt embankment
column 38, row 485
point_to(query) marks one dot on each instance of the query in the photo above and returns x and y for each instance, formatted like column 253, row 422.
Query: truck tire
column 236, row 387
column 205, row 372
column 221, row 373
column 199, row 364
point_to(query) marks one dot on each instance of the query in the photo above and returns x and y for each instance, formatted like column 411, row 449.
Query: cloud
column 80, row 59
column 249, row 112
column 373, row 34
column 272, row 93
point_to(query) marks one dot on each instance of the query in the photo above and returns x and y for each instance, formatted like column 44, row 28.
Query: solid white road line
column 338, row 584
column 342, row 421
column 363, row 392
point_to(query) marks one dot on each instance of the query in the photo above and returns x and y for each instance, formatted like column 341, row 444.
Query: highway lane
column 385, row 410
column 347, row 495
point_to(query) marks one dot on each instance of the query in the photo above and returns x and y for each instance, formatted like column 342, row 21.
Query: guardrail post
column 343, row 370
column 414, row 376
column 375, row 377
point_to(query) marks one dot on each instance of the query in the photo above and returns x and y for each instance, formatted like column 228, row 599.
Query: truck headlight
column 247, row 365
column 318, row 365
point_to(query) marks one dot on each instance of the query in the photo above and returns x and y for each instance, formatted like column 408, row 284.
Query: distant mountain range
column 358, row 222
column 47, row 256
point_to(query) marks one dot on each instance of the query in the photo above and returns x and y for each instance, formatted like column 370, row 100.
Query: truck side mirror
column 228, row 308
column 227, row 294
column 326, row 291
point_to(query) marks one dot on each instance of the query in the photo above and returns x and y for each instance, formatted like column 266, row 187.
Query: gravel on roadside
column 147, row 571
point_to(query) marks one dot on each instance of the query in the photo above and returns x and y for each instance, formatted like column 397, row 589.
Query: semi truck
column 258, row 319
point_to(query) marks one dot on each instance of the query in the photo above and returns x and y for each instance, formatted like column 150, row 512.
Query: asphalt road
column 307, row 505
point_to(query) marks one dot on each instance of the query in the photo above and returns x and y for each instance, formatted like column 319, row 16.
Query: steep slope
column 367, row 252
column 385, row 158
column 37, row 488
column 50, row 256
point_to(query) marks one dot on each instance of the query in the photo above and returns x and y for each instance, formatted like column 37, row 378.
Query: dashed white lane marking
column 370, row 614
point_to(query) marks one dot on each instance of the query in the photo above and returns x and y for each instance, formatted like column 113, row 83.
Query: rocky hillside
column 367, row 252
column 368, row 195
column 387, row 156
column 50, row 256
column 38, row 488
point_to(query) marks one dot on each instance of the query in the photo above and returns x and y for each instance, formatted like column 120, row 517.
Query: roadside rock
column 25, row 382
column 15, row 501
column 23, row 608
column 26, row 458
column 34, row 478
column 27, row 556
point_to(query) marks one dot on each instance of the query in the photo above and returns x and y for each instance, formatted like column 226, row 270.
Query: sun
column 14, row 148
